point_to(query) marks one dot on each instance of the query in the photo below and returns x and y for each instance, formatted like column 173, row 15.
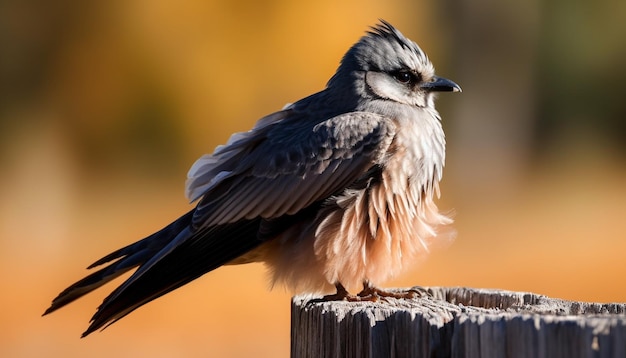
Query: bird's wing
column 285, row 166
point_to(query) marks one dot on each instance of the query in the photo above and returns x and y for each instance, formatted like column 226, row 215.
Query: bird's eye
column 405, row 77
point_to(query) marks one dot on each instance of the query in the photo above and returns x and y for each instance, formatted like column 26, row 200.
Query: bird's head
column 386, row 65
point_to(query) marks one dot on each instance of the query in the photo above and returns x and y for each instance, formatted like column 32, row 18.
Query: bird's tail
column 127, row 258
column 166, row 260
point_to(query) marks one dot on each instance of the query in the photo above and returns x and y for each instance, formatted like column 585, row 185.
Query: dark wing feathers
column 208, row 250
column 274, row 173
column 282, row 168
column 127, row 258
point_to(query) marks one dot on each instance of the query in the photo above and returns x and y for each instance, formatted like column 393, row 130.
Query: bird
column 334, row 192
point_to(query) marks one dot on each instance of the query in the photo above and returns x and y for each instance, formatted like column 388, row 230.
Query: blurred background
column 104, row 105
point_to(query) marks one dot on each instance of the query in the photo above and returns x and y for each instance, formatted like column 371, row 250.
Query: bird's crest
column 385, row 30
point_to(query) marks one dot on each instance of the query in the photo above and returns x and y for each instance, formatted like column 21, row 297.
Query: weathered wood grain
column 458, row 322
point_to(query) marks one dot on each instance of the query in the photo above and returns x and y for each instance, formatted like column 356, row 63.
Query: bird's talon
column 374, row 294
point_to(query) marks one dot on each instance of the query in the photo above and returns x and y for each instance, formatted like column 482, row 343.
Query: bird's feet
column 371, row 293
column 374, row 294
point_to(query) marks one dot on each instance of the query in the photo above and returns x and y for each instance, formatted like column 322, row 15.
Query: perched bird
column 336, row 189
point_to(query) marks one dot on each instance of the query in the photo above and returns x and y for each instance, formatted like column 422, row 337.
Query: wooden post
column 458, row 322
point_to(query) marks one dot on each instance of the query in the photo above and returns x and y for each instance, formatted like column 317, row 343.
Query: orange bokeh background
column 106, row 104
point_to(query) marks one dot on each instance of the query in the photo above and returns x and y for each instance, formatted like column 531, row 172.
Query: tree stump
column 458, row 322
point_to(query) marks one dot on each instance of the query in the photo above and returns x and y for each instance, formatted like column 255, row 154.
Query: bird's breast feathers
column 373, row 231
column 389, row 224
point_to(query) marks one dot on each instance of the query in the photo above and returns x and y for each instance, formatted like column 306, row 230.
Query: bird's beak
column 440, row 84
